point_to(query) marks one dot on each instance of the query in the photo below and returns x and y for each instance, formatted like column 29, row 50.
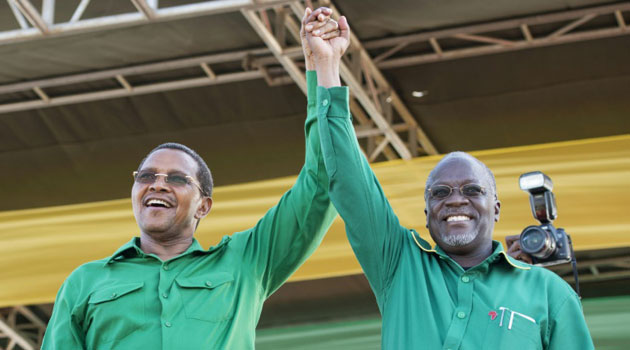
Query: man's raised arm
column 372, row 227
column 291, row 231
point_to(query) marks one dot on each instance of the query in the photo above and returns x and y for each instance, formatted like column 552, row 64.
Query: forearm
column 312, row 184
column 290, row 232
column 371, row 225
column 327, row 71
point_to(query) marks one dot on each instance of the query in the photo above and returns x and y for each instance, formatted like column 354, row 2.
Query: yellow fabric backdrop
column 40, row 247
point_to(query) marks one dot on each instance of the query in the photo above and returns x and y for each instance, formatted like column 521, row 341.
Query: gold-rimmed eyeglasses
column 178, row 180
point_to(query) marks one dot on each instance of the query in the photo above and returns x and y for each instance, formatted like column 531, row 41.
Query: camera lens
column 537, row 242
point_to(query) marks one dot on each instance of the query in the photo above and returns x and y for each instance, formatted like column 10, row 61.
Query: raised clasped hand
column 323, row 39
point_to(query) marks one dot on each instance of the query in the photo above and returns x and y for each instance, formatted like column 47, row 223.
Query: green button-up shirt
column 426, row 299
column 201, row 299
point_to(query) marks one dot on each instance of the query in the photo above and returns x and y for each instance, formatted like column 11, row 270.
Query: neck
column 470, row 259
column 164, row 249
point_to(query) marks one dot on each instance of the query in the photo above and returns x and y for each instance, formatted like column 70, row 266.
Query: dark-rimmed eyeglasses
column 177, row 180
column 468, row 190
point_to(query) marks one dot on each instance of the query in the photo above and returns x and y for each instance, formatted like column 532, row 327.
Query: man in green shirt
column 464, row 293
column 162, row 290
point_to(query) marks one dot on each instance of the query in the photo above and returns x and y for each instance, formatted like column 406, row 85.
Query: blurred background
column 87, row 88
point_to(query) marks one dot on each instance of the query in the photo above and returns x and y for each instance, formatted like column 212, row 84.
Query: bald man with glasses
column 463, row 293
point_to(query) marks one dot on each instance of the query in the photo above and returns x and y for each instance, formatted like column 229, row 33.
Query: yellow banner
column 40, row 247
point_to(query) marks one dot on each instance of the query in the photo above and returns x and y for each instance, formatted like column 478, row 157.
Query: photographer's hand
column 513, row 244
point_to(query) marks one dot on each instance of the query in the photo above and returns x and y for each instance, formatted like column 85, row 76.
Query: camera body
column 546, row 244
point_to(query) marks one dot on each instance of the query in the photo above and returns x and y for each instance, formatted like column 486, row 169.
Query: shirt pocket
column 208, row 297
column 523, row 335
column 115, row 312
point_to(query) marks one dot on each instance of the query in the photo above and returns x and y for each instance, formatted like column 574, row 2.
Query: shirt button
column 167, row 324
column 164, row 295
column 325, row 102
column 208, row 283
column 465, row 279
column 461, row 314
column 114, row 295
column 165, row 267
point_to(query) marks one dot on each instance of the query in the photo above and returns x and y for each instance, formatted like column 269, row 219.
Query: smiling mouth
column 158, row 203
column 458, row 218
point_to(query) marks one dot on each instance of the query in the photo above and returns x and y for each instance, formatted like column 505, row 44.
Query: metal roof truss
column 383, row 120
column 22, row 327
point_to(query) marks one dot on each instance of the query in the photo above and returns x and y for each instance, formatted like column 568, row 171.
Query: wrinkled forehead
column 459, row 170
column 170, row 160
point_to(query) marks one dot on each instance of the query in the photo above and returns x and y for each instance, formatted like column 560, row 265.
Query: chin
column 155, row 227
column 459, row 240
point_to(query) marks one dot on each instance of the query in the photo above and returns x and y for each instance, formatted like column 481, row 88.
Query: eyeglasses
column 177, row 180
column 468, row 190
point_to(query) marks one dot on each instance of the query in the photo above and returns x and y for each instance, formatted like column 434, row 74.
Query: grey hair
column 462, row 155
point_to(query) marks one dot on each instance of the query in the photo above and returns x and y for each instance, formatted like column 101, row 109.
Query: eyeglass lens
column 149, row 177
column 443, row 191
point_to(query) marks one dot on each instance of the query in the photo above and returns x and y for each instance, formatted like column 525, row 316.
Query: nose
column 456, row 199
column 160, row 184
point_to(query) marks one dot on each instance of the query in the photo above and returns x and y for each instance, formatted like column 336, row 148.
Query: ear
column 497, row 209
column 204, row 208
column 426, row 214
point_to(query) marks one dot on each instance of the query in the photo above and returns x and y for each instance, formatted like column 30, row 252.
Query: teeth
column 458, row 218
column 158, row 202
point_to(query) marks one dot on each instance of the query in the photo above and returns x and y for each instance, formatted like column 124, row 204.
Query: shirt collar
column 132, row 249
column 498, row 253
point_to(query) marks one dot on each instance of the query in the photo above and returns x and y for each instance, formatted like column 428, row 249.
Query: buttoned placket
column 165, row 284
column 461, row 315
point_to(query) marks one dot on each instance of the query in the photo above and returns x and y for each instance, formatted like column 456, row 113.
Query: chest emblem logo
column 493, row 315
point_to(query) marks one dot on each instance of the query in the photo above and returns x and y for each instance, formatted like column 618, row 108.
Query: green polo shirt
column 426, row 299
column 201, row 299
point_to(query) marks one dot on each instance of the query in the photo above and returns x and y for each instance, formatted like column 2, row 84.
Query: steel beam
column 48, row 11
column 616, row 266
column 18, row 15
column 372, row 75
column 78, row 12
column 31, row 14
column 76, row 25
column 475, row 33
column 282, row 55
column 234, row 56
column 363, row 73
column 263, row 55
column 569, row 27
column 483, row 39
column 147, row 10
column 392, row 97
column 498, row 25
column 270, row 40
column 620, row 20
column 23, row 329
column 124, row 92
column 493, row 49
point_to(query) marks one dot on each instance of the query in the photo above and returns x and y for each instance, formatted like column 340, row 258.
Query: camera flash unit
column 535, row 182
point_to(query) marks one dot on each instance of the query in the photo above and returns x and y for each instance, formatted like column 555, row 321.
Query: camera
column 546, row 244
